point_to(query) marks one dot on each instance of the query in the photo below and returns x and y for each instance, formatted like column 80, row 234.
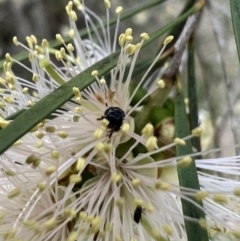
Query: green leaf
column 192, row 94
column 31, row 117
column 235, row 12
column 83, row 33
column 187, row 175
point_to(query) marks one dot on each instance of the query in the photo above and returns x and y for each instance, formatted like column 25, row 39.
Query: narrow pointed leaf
column 31, row 117
column 235, row 12
column 192, row 94
column 187, row 175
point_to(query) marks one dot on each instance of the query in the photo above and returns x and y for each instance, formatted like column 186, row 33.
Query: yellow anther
column 102, row 81
column 161, row 84
column 179, row 141
column 4, row 123
column 14, row 193
column 29, row 222
column 133, row 239
column 15, row 41
column 51, row 223
column 39, row 144
column 83, row 215
column 29, row 42
column 80, row 164
column 2, row 81
column 120, row 202
column 39, row 50
column 89, row 218
column 136, row 182
column 70, row 47
column 168, row 39
column 8, row 57
column 130, row 49
column 10, row 234
column 41, row 186
column 236, row 191
column 167, row 229
column 41, row 124
column 50, row 129
column 78, row 110
column 59, row 38
column 96, row 224
column 1, row 215
column 200, row 195
column 118, row 238
column 99, row 146
column 76, row 92
column 50, row 170
column 73, row 236
column 203, row 223
column 63, row 134
column 35, row 78
column 128, row 39
column 58, row 55
column 75, row 178
column 107, row 4
column 105, row 123
column 8, row 99
column 44, row 43
column 70, row 212
column 32, row 158
column 148, row 207
column 9, row 172
column 121, row 39
column 220, row 198
column 128, row 32
column 125, row 128
column 69, row 7
column 34, row 39
column 94, row 73
column 9, row 66
column 162, row 186
column 25, row 90
column 197, row 131
column 138, row 202
column 77, row 3
column 185, row 161
column 71, row 33
column 118, row 9
column 73, row 15
column 147, row 131
column 30, row 103
column 39, row 134
column 151, row 143
column 63, row 52
column 98, row 134
column 115, row 177
column 107, row 147
column 144, row 36
column 55, row 154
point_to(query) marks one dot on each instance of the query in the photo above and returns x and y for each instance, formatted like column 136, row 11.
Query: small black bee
column 137, row 214
column 115, row 116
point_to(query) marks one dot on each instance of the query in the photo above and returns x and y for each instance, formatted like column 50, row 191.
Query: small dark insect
column 137, row 214
column 115, row 116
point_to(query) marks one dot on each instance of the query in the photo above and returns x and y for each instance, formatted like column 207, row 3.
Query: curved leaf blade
column 235, row 12
column 187, row 175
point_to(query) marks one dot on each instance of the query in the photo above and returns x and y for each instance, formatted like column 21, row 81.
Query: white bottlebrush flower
column 66, row 179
